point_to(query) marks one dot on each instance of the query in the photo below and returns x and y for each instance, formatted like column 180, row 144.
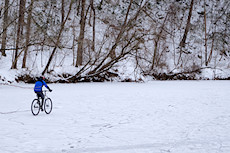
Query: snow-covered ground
column 153, row 117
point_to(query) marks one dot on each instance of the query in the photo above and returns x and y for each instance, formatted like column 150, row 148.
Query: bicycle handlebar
column 45, row 90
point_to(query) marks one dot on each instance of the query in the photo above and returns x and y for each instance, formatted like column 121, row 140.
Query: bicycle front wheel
column 48, row 105
column 35, row 107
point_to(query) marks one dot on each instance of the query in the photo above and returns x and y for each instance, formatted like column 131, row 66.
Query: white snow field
column 152, row 117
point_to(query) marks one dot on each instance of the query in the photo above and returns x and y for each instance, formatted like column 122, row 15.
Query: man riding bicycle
column 38, row 88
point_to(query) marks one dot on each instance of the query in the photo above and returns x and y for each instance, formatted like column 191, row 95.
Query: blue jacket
column 39, row 84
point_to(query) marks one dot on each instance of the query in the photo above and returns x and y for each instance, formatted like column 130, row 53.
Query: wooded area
column 97, row 37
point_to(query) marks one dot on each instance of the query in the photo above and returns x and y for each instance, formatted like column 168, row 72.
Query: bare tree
column 58, row 39
column 205, row 34
column 122, row 30
column 94, row 23
column 81, row 35
column 183, row 41
column 5, row 24
column 19, row 32
column 28, row 29
column 126, row 28
column 156, row 42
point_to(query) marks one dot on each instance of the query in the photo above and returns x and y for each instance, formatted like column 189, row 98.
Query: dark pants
column 40, row 94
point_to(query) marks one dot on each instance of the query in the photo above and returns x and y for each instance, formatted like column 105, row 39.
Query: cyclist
column 38, row 88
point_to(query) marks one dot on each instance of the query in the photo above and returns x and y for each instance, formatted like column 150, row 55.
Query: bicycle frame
column 45, row 95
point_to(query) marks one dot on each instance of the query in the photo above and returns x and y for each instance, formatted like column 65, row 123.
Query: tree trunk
column 19, row 32
column 5, row 24
column 210, row 55
column 183, row 41
column 62, row 11
column 155, row 53
column 205, row 39
column 73, row 46
column 81, row 35
column 94, row 24
column 28, row 28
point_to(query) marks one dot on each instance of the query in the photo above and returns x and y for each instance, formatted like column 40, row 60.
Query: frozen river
column 153, row 117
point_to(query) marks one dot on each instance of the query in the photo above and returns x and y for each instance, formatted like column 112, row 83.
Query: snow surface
column 153, row 117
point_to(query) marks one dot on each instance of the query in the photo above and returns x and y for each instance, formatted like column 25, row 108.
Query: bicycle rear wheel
column 35, row 107
column 48, row 105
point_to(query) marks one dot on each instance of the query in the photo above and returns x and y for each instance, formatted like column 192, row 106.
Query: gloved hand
column 50, row 90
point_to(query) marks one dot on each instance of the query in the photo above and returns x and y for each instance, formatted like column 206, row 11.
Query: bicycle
column 36, row 104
